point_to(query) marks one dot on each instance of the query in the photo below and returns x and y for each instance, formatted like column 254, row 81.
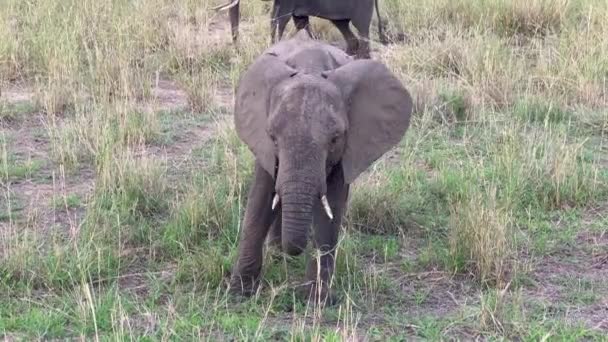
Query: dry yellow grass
column 117, row 109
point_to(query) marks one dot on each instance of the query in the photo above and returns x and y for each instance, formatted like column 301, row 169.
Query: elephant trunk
column 300, row 183
column 296, row 219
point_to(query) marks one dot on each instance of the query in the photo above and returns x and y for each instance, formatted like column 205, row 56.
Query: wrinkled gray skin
column 314, row 119
column 339, row 12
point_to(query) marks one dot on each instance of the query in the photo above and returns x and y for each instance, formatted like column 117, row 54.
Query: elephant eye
column 334, row 140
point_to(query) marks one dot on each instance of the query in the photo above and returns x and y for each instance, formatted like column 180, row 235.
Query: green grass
column 19, row 170
column 484, row 222
column 15, row 111
column 68, row 202
column 13, row 167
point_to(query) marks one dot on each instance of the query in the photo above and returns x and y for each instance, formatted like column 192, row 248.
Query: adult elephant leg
column 363, row 52
column 258, row 217
column 282, row 19
column 273, row 21
column 381, row 33
column 362, row 24
column 351, row 40
column 303, row 23
column 320, row 268
column 235, row 17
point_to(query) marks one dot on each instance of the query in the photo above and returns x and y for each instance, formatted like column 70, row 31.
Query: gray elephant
column 339, row 12
column 314, row 119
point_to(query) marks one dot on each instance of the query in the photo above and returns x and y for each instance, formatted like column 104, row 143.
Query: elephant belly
column 331, row 10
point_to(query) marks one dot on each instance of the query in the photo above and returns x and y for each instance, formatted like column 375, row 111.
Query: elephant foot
column 244, row 286
column 352, row 48
column 363, row 54
column 323, row 296
column 363, row 50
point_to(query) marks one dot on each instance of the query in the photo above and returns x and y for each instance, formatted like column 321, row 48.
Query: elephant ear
column 252, row 106
column 378, row 109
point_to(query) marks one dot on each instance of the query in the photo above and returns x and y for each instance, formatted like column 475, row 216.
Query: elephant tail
column 381, row 33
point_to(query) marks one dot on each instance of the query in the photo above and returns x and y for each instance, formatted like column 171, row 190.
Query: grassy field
column 123, row 183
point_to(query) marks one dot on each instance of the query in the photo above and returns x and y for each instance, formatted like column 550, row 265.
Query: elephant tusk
column 327, row 207
column 226, row 6
column 275, row 201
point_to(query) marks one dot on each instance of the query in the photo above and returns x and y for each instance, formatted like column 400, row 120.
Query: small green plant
column 135, row 185
column 455, row 105
column 12, row 168
column 536, row 111
column 69, row 201
column 15, row 111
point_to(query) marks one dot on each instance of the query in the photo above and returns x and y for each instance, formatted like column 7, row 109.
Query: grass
column 485, row 222
column 15, row 167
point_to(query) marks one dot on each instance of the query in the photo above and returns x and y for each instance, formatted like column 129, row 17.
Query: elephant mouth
column 324, row 202
column 276, row 199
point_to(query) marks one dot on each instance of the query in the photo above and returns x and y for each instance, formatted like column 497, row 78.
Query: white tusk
column 326, row 207
column 226, row 6
column 275, row 201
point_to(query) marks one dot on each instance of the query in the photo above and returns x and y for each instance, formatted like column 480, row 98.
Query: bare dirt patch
column 167, row 96
column 576, row 276
column 17, row 92
column 27, row 139
column 46, row 204
column 579, row 286
column 179, row 156
column 44, row 193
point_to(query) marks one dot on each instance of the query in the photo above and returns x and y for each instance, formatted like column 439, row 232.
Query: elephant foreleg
column 320, row 268
column 258, row 217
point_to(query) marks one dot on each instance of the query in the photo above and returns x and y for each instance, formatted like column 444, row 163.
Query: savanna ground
column 123, row 182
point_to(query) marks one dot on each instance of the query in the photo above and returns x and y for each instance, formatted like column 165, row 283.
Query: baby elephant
column 314, row 118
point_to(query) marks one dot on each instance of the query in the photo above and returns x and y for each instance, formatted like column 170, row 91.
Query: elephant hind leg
column 235, row 17
column 363, row 52
column 362, row 25
column 273, row 22
column 352, row 43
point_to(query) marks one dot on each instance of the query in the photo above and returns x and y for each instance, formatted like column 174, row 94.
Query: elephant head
column 302, row 113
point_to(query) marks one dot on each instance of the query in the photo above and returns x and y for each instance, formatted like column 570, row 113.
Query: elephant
column 314, row 119
column 339, row 12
